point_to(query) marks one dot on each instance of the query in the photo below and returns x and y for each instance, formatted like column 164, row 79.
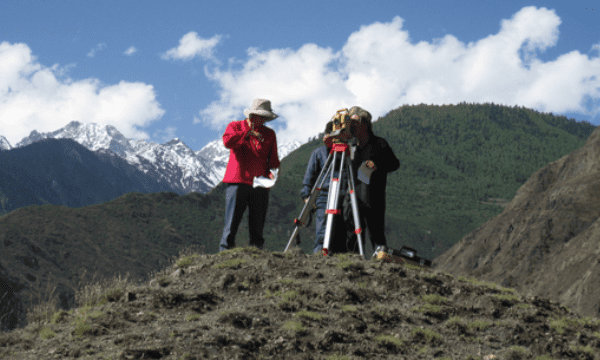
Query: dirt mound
column 547, row 240
column 253, row 304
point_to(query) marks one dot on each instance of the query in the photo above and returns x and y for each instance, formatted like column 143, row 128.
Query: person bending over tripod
column 317, row 161
column 373, row 160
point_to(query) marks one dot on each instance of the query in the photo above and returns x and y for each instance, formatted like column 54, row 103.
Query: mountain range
column 174, row 163
column 63, row 172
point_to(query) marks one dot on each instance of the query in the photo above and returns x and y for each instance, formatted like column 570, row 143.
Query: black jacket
column 380, row 152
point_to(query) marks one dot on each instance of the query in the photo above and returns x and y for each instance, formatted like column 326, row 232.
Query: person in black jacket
column 373, row 160
column 315, row 166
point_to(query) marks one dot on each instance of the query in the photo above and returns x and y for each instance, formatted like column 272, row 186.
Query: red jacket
column 248, row 156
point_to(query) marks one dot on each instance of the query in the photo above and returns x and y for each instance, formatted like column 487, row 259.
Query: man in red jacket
column 253, row 153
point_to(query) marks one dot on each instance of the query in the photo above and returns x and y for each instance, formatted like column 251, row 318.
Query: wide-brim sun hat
column 261, row 107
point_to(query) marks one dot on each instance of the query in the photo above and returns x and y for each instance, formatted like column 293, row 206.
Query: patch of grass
column 544, row 357
column 413, row 267
column 480, row 325
column 58, row 317
column 428, row 308
column 453, row 321
column 270, row 294
column 186, row 261
column 517, row 349
column 562, row 323
column 428, row 334
column 362, row 285
column 294, row 326
column 237, row 250
column 192, row 317
column 337, row 357
column 289, row 295
column 381, row 310
column 583, row 349
column 288, row 281
column 422, row 350
column 434, row 299
column 344, row 264
column 597, row 334
column 345, row 260
column 349, row 308
column 503, row 323
column 310, row 315
column 46, row 333
column 229, row 263
column 389, row 339
column 82, row 328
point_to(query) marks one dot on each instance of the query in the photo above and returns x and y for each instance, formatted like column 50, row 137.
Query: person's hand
column 271, row 176
column 370, row 164
column 305, row 200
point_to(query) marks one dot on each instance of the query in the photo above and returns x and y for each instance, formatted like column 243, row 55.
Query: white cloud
column 130, row 51
column 191, row 45
column 380, row 69
column 34, row 97
column 95, row 49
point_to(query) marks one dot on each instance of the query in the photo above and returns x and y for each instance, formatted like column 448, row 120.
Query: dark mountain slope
column 547, row 240
column 42, row 247
column 63, row 172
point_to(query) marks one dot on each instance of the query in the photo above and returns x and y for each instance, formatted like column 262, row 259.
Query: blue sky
column 157, row 70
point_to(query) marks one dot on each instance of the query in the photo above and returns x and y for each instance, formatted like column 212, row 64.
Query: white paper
column 265, row 182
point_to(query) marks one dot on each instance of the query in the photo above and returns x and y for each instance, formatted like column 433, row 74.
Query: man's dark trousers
column 237, row 198
column 372, row 219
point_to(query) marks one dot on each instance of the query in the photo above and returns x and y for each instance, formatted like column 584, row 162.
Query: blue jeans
column 237, row 198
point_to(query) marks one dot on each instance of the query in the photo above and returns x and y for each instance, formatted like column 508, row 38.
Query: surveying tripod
column 332, row 197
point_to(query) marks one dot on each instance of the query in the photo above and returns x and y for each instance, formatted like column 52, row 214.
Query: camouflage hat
column 360, row 114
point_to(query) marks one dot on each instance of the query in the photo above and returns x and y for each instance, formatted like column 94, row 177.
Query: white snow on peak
column 174, row 162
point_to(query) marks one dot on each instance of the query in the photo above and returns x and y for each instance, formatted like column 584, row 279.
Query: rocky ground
column 253, row 304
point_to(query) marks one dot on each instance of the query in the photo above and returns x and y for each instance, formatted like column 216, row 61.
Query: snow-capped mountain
column 219, row 155
column 182, row 168
column 4, row 144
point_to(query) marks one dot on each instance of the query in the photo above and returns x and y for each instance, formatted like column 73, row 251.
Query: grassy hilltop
column 253, row 304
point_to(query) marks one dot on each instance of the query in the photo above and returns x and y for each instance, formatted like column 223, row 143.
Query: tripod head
column 342, row 129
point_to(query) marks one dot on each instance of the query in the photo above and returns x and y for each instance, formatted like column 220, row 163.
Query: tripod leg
column 304, row 214
column 295, row 234
column 355, row 213
column 332, row 202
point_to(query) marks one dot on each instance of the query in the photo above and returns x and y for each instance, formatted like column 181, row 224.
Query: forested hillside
column 458, row 165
